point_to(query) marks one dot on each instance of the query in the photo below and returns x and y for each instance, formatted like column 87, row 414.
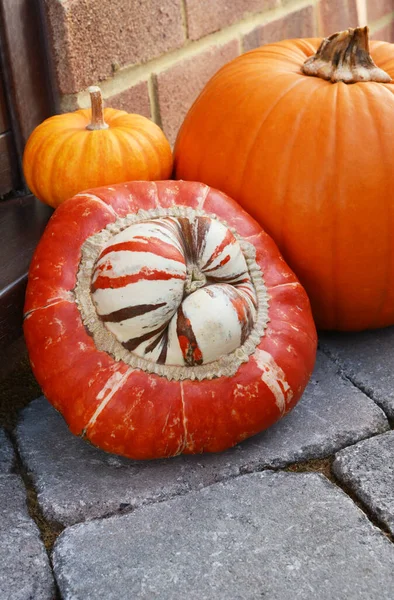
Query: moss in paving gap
column 17, row 389
column 318, row 465
column 49, row 530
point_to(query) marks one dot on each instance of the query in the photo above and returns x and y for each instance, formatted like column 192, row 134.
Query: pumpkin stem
column 345, row 56
column 195, row 279
column 96, row 100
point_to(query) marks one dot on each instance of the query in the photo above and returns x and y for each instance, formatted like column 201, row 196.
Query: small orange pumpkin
column 301, row 134
column 87, row 148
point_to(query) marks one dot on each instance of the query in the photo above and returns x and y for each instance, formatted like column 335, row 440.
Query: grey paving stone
column 6, row 453
column 368, row 469
column 25, row 573
column 267, row 535
column 367, row 358
column 75, row 481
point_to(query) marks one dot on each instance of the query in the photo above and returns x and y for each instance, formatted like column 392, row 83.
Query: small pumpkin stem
column 96, row 100
column 345, row 56
column 195, row 279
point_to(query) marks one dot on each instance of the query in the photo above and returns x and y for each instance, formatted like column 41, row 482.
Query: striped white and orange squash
column 160, row 319
column 161, row 284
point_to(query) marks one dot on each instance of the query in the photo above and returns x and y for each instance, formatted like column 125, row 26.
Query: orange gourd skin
column 313, row 163
column 63, row 158
column 145, row 415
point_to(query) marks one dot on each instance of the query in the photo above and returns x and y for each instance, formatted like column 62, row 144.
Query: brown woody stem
column 96, row 100
column 345, row 56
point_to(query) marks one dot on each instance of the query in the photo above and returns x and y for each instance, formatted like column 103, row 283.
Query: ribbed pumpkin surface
column 63, row 158
column 313, row 162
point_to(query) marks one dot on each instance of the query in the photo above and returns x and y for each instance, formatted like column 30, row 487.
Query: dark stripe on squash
column 129, row 312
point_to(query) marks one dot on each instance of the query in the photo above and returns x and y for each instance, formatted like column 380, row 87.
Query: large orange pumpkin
column 309, row 152
column 161, row 319
column 75, row 151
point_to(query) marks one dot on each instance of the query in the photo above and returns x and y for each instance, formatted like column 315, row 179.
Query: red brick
column 179, row 85
column 89, row 39
column 337, row 15
column 385, row 34
column 379, row 8
column 132, row 100
column 206, row 16
column 295, row 25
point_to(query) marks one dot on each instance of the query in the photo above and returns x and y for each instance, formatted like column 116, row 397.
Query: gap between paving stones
column 324, row 466
column 318, row 465
column 364, row 389
column 49, row 532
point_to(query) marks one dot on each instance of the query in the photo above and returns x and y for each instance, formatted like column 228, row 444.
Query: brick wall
column 154, row 56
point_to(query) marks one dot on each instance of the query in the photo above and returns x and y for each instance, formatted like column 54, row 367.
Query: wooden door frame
column 25, row 65
column 26, row 68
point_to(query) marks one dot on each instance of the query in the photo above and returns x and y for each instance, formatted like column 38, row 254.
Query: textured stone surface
column 6, row 453
column 205, row 16
column 75, row 481
column 24, row 567
column 132, row 100
column 275, row 536
column 368, row 469
column 376, row 9
column 90, row 40
column 336, row 15
column 296, row 25
column 179, row 85
column 367, row 358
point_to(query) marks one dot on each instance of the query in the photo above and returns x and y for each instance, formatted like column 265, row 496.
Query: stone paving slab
column 6, row 453
column 367, row 358
column 25, row 573
column 368, row 469
column 267, row 535
column 75, row 481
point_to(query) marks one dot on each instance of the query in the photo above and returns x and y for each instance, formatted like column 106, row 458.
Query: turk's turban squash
column 160, row 319
column 301, row 134
column 87, row 148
